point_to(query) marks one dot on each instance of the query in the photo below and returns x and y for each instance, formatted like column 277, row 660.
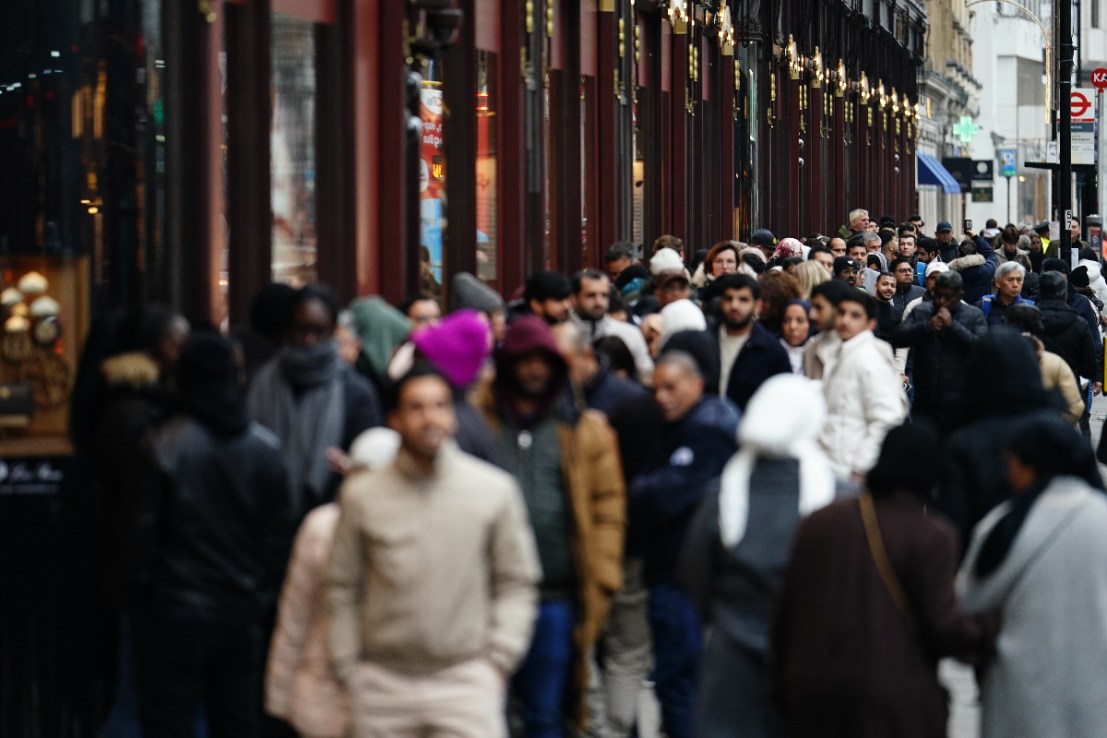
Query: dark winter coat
column 940, row 357
column 849, row 663
column 1066, row 334
column 662, row 500
column 977, row 270
column 214, row 525
column 760, row 358
column 902, row 297
column 607, row 390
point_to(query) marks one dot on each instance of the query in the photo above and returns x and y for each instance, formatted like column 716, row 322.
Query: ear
column 757, row 307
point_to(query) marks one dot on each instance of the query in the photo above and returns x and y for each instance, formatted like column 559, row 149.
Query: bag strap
column 880, row 558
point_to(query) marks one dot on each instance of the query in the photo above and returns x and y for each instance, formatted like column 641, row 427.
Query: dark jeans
column 186, row 665
column 677, row 644
column 541, row 681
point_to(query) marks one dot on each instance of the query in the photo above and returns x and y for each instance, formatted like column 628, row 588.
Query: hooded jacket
column 1065, row 333
column 1095, row 278
column 593, row 482
column 977, row 270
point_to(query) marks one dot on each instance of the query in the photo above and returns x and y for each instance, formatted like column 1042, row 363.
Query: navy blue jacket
column 607, row 389
column 662, row 500
column 762, row 357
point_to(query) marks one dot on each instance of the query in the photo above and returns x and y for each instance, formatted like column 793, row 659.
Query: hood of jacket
column 962, row 263
column 381, row 329
column 526, row 335
column 1057, row 316
column 1095, row 269
column 466, row 291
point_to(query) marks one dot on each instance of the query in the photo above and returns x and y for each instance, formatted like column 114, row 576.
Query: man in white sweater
column 432, row 581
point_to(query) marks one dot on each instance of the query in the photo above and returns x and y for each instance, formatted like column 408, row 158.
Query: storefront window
column 292, row 138
column 487, row 234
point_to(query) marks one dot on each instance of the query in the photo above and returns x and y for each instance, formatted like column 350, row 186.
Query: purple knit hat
column 457, row 346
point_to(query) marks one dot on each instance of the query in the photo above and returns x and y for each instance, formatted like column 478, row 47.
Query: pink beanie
column 457, row 346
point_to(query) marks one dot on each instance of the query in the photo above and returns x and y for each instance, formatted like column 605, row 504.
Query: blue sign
column 1008, row 162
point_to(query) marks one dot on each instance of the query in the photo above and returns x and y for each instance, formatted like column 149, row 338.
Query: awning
column 931, row 172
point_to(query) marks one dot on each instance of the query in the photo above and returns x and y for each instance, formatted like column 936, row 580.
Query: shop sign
column 34, row 476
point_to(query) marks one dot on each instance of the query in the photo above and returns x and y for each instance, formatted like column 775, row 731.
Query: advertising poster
column 432, row 179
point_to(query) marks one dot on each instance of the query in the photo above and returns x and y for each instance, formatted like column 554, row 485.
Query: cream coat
column 865, row 399
column 1049, row 676
column 299, row 684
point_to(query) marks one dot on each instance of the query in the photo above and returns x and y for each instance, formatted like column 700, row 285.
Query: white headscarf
column 782, row 420
column 681, row 315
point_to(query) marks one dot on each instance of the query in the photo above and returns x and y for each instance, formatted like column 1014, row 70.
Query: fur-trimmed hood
column 133, row 370
column 963, row 263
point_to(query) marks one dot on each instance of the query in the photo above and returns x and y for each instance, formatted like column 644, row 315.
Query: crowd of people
column 773, row 483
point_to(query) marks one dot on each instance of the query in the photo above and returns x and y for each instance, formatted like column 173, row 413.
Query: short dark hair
column 738, row 282
column 908, row 231
column 618, row 356
column 410, row 300
column 862, row 298
column 818, row 250
column 545, row 285
column 320, row 292
column 754, row 262
column 667, row 241
column 394, row 391
column 583, row 274
column 900, row 260
column 620, row 250
column 832, row 290
column 884, row 274
column 1024, row 317
column 927, row 244
column 950, row 280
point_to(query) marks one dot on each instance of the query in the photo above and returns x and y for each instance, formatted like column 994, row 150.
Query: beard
column 737, row 324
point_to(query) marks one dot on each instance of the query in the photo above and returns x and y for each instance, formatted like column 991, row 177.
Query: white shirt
column 729, row 348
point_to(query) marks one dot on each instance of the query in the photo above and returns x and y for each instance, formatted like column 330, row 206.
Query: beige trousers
column 463, row 701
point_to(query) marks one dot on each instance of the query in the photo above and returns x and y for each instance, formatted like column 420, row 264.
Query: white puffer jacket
column 865, row 400
column 1095, row 278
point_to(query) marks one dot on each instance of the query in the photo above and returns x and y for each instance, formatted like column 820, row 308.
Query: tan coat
column 590, row 463
column 1057, row 374
column 299, row 684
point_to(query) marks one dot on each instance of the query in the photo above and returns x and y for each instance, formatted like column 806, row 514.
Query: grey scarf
column 300, row 395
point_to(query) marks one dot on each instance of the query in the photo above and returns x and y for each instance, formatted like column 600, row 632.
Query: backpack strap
column 880, row 558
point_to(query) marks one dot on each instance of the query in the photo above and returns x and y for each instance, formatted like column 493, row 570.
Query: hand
column 946, row 317
column 1097, row 389
column 340, row 462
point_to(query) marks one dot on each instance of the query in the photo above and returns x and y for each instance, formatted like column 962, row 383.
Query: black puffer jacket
column 1065, row 333
column 216, row 523
column 940, row 358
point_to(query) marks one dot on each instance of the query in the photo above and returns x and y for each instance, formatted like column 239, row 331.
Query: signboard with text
column 1082, row 108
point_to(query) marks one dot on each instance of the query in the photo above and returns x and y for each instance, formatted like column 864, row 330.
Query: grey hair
column 682, row 360
column 857, row 213
column 869, row 237
column 1007, row 267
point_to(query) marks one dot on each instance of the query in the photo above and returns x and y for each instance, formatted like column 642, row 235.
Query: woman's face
column 796, row 326
column 1035, row 242
column 726, row 262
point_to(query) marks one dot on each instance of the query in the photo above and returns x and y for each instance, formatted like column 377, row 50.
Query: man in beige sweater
column 432, row 581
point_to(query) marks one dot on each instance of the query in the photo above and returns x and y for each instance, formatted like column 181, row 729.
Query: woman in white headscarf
column 738, row 545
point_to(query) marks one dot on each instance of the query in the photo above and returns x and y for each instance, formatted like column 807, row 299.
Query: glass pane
column 292, row 162
column 487, row 235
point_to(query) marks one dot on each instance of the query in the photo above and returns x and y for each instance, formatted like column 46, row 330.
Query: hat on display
column 943, row 226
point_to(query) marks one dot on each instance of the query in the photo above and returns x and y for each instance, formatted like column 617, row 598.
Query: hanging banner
column 432, row 183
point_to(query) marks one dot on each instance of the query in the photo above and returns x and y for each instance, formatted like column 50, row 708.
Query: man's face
column 822, row 313
column 424, row 416
column 906, row 246
column 857, row 253
column 1010, row 285
column 944, row 237
column 581, row 360
column 827, row 260
column 946, row 298
column 673, row 290
column 872, row 245
column 885, row 288
column 311, row 324
column 424, row 313
column 848, row 275
column 837, row 247
column 905, row 274
column 860, row 223
column 592, row 300
column 928, row 283
column 615, row 268
column 533, row 375
column 676, row 390
column 851, row 320
column 918, row 225
column 924, row 256
column 872, row 227
column 1074, row 229
column 552, row 310
column 738, row 308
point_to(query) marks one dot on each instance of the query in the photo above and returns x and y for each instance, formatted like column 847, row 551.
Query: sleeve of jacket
column 989, row 254
column 695, row 568
column 1091, row 358
column 344, row 582
column 609, row 501
column 948, row 630
column 885, row 407
column 636, row 342
column 279, row 524
column 305, row 569
column 970, row 328
column 671, row 490
column 515, row 572
column 1066, row 384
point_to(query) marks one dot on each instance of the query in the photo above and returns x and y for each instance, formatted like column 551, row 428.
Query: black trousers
column 187, row 664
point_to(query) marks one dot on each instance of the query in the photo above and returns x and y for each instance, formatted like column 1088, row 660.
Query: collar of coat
column 967, row 262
